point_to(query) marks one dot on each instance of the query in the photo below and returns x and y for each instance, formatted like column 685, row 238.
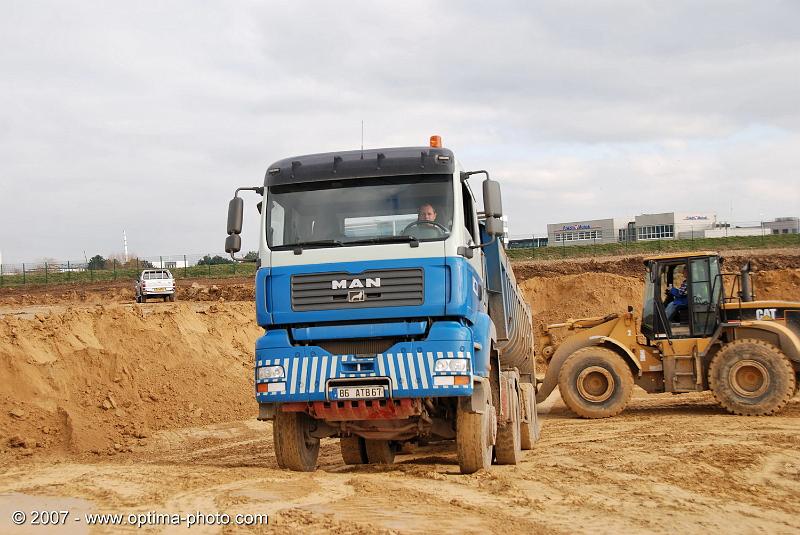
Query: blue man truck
column 390, row 311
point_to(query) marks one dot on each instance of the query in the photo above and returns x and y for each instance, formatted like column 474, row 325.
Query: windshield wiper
column 414, row 242
column 298, row 247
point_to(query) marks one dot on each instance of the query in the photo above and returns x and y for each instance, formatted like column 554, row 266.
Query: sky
column 144, row 117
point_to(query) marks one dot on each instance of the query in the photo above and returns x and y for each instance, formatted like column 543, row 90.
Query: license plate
column 358, row 392
column 161, row 289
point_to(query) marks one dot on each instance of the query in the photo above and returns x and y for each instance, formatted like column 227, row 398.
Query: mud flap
column 476, row 403
column 266, row 411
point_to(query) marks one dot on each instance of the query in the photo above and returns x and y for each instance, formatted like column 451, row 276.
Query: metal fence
column 97, row 269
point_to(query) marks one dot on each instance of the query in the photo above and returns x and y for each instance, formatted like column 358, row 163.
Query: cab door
column 705, row 295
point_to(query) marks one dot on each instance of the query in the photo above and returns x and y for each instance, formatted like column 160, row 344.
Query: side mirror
column 233, row 244
column 492, row 201
column 235, row 211
column 494, row 226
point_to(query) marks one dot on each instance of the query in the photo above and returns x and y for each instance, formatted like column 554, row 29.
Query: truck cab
column 375, row 290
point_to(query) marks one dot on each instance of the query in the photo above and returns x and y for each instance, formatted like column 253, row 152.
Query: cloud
column 145, row 117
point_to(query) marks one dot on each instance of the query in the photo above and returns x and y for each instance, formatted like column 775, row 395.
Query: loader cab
column 682, row 296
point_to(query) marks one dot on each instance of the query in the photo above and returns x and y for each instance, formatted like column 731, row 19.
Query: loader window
column 666, row 309
column 705, row 294
column 648, row 309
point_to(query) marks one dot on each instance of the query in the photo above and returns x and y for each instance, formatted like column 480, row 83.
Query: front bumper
column 406, row 370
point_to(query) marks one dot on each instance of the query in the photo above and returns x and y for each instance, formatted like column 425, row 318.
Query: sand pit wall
column 101, row 379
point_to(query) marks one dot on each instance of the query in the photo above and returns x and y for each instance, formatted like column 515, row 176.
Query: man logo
column 355, row 283
column 355, row 296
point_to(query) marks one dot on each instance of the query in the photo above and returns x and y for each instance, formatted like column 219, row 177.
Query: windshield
column 372, row 210
column 648, row 310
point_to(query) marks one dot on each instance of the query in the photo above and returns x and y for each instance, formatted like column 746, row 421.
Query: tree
column 252, row 256
column 208, row 260
column 97, row 262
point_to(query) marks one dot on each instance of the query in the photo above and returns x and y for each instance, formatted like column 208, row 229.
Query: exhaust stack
column 747, row 285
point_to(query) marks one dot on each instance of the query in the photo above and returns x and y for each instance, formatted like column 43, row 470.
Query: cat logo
column 766, row 313
column 355, row 296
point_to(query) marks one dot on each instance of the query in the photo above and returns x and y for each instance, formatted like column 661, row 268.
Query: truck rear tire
column 595, row 382
column 379, row 451
column 353, row 450
column 474, row 438
column 529, row 427
column 172, row 298
column 508, row 447
column 751, row 377
column 295, row 448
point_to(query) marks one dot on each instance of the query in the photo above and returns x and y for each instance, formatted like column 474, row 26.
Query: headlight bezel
column 270, row 372
column 452, row 365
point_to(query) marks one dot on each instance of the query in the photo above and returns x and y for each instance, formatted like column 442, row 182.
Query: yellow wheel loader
column 691, row 337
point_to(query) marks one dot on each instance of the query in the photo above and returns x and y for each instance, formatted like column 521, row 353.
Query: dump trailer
column 692, row 336
column 390, row 311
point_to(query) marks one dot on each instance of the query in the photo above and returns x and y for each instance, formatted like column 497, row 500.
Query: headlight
column 451, row 365
column 270, row 372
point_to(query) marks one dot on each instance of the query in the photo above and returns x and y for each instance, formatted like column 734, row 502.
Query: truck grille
column 379, row 288
column 356, row 347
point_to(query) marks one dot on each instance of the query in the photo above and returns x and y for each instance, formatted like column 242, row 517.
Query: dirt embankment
column 101, row 378
column 233, row 289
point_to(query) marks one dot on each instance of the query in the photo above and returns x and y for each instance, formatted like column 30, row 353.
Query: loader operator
column 679, row 300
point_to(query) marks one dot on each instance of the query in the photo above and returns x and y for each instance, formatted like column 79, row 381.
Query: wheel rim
column 749, row 378
column 595, row 384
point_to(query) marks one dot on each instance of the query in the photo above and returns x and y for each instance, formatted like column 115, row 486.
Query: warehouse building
column 587, row 232
column 783, row 225
column 644, row 227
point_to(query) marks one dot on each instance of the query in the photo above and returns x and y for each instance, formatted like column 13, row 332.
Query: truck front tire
column 295, row 448
column 475, row 434
column 595, row 382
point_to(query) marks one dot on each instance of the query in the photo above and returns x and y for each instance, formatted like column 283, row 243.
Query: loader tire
column 474, row 437
column 295, row 448
column 529, row 427
column 379, row 451
column 751, row 377
column 595, row 382
column 508, row 447
column 353, row 450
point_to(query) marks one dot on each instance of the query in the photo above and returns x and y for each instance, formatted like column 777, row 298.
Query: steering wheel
column 441, row 229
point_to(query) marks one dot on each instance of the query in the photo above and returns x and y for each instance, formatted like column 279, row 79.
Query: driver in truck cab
column 426, row 213
column 426, row 225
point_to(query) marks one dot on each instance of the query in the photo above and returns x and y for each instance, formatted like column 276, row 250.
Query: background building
column 664, row 226
column 783, row 225
column 585, row 232
column 643, row 227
